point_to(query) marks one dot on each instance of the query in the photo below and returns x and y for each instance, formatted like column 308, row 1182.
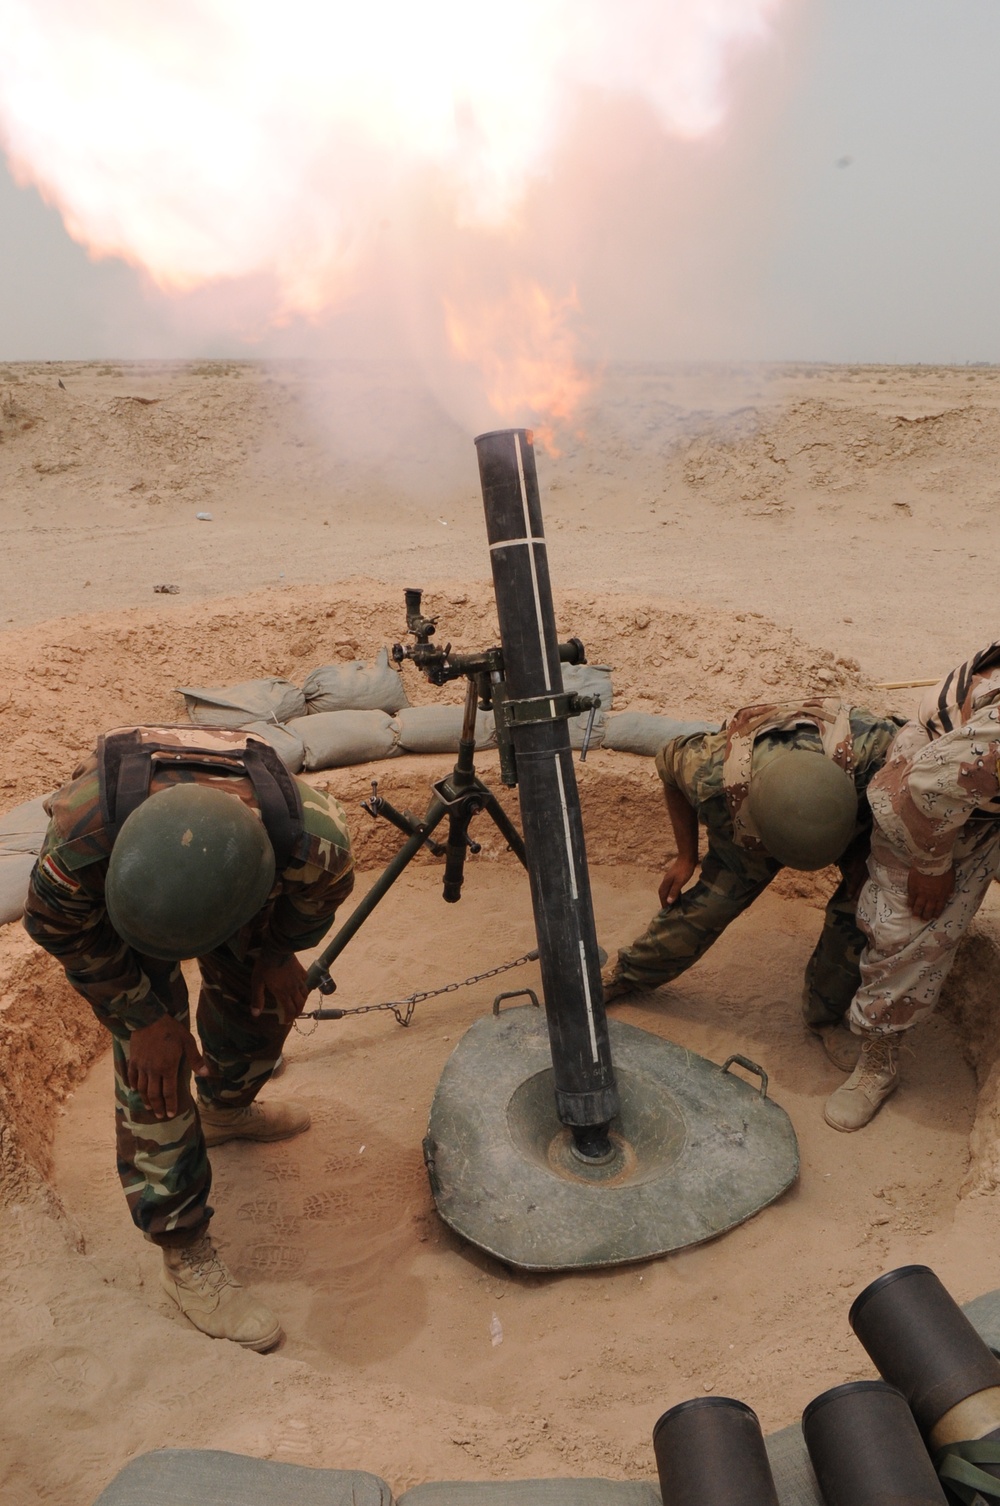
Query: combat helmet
column 804, row 807
column 189, row 867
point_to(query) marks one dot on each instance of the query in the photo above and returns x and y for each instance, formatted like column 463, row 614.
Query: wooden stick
column 903, row 684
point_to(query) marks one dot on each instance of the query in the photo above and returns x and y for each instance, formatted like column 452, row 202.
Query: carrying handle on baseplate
column 744, row 1061
column 516, row 993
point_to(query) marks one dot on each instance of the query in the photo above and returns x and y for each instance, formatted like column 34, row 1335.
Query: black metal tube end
column 866, row 1448
column 711, row 1450
column 922, row 1343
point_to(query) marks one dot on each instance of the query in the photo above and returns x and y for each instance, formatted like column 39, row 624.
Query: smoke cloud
column 266, row 164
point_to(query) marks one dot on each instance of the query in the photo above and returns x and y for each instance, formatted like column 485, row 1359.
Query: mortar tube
column 585, row 1089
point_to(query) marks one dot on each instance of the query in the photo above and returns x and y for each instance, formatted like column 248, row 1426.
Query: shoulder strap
column 278, row 798
column 126, row 758
column 119, row 798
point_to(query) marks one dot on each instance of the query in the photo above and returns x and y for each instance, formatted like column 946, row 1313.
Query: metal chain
column 403, row 1008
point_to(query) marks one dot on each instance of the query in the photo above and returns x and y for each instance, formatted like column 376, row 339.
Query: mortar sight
column 420, row 626
column 438, row 662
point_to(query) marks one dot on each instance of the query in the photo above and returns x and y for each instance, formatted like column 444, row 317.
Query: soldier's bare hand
column 928, row 893
column 677, row 875
column 155, row 1056
column 284, row 978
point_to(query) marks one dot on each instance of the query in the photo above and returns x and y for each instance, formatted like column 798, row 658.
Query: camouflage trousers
column 906, row 961
column 163, row 1163
column 730, row 880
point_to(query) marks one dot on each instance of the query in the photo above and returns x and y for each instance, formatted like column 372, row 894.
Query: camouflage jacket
column 65, row 911
column 939, row 793
column 702, row 766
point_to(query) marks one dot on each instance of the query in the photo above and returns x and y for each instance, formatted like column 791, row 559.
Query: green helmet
column 804, row 807
column 190, row 865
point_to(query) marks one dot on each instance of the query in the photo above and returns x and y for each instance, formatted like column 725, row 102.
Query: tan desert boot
column 859, row 1099
column 840, row 1044
column 211, row 1298
column 615, row 986
column 258, row 1121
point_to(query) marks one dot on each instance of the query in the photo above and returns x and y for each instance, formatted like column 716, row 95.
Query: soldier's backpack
column 128, row 756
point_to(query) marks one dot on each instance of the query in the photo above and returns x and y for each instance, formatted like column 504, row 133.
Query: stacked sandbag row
column 343, row 714
column 355, row 686
column 359, row 713
column 22, row 832
column 346, row 714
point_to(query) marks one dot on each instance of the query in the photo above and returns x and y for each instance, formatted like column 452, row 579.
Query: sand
column 715, row 537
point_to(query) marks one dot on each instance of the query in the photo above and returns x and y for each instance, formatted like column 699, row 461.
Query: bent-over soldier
column 171, row 843
column 778, row 785
column 935, row 850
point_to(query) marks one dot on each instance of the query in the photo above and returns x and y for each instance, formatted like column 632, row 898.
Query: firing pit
column 390, row 1363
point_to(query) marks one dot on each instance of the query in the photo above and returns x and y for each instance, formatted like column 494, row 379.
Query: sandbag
column 22, row 832
column 437, row 729
column 589, row 1492
column 23, row 828
column 984, row 1315
column 791, row 1470
column 284, row 742
column 268, row 700
column 355, row 687
column 332, row 739
column 15, row 871
column 210, row 1477
column 588, row 679
column 641, row 732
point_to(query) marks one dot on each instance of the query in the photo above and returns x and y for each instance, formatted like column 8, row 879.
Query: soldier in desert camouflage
column 935, row 850
column 171, row 843
column 778, row 785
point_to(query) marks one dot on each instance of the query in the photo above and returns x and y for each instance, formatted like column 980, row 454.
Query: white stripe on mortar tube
column 506, row 543
column 565, row 815
column 531, row 561
column 590, row 1003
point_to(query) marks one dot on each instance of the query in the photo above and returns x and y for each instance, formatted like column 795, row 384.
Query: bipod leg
column 505, row 825
column 458, row 846
column 318, row 975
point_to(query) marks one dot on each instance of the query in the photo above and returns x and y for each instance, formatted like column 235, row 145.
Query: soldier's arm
column 69, row 921
column 923, row 801
column 317, row 882
column 684, row 824
column 302, row 914
column 312, row 892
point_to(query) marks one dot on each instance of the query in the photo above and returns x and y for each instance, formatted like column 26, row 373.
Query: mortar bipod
column 460, row 796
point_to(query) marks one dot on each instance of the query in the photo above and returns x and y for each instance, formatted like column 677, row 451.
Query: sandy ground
column 842, row 501
column 841, row 506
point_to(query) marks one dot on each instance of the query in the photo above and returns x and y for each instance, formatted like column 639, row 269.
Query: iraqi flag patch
column 56, row 876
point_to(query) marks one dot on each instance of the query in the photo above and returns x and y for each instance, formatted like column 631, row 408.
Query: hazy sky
column 848, row 211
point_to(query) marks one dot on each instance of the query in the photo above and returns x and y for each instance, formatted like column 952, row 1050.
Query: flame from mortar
column 524, row 346
column 209, row 141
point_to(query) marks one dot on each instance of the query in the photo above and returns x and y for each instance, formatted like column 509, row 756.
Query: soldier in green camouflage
column 736, row 783
column 170, row 843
